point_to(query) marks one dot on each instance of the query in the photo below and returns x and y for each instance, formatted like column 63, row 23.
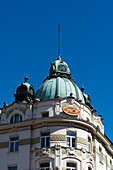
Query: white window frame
column 71, row 167
column 14, row 144
column 70, row 138
column 13, row 117
column 45, row 139
column 89, row 145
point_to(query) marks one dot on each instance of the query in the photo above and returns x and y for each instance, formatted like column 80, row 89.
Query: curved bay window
column 71, row 166
column 44, row 166
column 16, row 118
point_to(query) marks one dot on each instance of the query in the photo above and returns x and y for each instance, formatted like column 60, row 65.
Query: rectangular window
column 14, row 144
column 12, row 168
column 44, row 166
column 45, row 114
column 45, row 139
column 71, row 139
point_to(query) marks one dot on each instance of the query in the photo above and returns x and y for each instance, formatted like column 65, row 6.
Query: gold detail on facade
column 79, row 153
column 51, row 152
column 58, row 138
column 64, row 152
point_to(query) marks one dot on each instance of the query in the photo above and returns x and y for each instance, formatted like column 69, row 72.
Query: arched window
column 71, row 166
column 44, row 166
column 16, row 118
column 89, row 168
column 89, row 145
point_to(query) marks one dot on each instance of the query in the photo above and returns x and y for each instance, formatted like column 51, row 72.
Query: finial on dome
column 26, row 78
column 82, row 88
column 59, row 58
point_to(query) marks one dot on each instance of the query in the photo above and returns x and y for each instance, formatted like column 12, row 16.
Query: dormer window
column 16, row 118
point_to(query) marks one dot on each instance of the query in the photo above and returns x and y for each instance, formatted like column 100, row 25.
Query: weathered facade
column 55, row 129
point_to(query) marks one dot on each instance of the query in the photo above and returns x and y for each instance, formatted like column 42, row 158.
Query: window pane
column 46, row 114
column 48, row 141
column 12, row 168
column 70, row 133
column 12, row 147
column 45, row 164
column 20, row 118
column 73, row 142
column 14, row 139
column 16, row 146
column 71, row 165
column 45, row 134
column 42, row 142
column 68, row 141
column 16, row 118
column 11, row 121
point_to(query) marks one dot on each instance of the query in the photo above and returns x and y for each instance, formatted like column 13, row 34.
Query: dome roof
column 59, row 87
column 24, row 92
column 59, row 83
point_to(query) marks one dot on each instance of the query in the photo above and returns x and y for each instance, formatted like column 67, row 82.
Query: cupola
column 59, row 84
column 24, row 92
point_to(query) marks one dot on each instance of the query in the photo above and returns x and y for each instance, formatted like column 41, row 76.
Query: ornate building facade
column 56, row 128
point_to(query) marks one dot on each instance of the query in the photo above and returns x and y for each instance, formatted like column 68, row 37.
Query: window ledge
column 13, row 152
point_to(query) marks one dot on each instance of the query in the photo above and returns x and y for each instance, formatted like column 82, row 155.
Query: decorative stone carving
column 64, row 151
column 58, row 138
column 44, row 152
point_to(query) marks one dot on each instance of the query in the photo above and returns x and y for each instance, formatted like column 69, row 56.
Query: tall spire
column 59, row 42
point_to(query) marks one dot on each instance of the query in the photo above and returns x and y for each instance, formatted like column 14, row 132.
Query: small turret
column 24, row 92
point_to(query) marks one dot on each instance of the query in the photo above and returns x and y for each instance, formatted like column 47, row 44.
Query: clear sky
column 29, row 42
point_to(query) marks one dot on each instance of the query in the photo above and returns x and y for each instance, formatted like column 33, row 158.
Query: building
column 56, row 128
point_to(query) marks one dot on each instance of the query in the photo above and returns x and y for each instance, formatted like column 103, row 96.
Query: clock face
column 62, row 68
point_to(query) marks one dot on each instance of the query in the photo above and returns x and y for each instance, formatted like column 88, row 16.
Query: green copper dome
column 59, row 83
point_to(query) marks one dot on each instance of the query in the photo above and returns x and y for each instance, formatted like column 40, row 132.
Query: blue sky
column 29, row 42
